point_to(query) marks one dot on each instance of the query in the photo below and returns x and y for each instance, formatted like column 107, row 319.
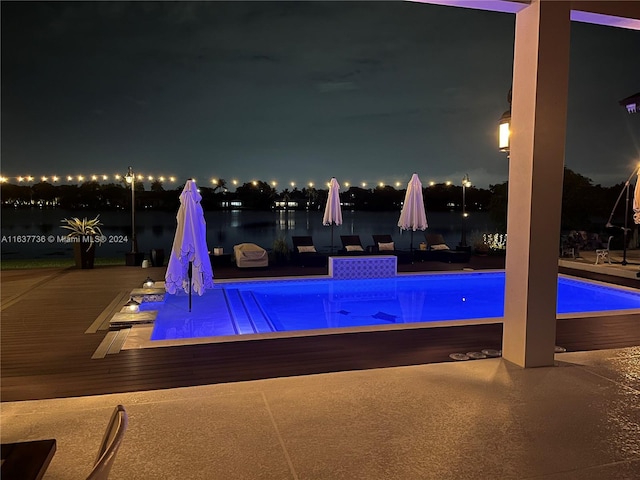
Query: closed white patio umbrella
column 636, row 201
column 189, row 267
column 333, row 211
column 413, row 215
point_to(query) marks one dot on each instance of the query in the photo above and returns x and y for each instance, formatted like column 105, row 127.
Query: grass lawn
column 54, row 262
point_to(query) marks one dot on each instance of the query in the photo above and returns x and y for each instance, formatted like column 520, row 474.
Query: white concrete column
column 539, row 106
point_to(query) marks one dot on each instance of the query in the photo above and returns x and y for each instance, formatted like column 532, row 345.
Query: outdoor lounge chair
column 438, row 250
column 351, row 245
column 384, row 245
column 436, row 242
column 250, row 255
column 304, row 253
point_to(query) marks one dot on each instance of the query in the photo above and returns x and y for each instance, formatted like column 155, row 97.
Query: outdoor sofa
column 248, row 255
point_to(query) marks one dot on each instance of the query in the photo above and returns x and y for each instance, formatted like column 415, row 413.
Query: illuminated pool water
column 286, row 305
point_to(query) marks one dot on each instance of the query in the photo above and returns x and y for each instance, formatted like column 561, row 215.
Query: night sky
column 291, row 91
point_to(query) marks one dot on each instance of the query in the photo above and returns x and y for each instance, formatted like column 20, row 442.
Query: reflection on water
column 286, row 221
column 155, row 230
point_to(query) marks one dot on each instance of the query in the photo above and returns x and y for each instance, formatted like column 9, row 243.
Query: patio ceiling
column 621, row 14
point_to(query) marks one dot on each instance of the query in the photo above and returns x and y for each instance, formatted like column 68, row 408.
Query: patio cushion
column 387, row 247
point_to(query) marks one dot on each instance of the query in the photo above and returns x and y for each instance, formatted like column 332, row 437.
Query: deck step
column 105, row 345
column 118, row 342
column 102, row 322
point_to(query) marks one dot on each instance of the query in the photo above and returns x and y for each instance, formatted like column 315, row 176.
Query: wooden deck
column 45, row 352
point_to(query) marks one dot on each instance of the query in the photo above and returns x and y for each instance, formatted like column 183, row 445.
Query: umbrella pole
column 190, row 276
column 625, row 229
column 331, row 237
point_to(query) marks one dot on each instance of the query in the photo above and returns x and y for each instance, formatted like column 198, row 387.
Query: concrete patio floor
column 578, row 420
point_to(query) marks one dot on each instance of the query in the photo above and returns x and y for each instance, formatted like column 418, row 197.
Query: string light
column 172, row 179
column 72, row 178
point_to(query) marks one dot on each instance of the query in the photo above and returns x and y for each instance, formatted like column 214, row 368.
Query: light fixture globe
column 129, row 177
column 504, row 127
column 132, row 306
column 504, row 131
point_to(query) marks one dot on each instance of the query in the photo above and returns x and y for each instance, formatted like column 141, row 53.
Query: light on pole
column 466, row 183
column 130, row 178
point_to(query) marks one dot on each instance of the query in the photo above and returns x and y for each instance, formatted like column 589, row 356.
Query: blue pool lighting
column 289, row 305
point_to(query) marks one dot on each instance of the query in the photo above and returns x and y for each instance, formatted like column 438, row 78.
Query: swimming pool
column 291, row 305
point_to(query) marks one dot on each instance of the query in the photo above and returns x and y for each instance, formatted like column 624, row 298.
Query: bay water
column 38, row 233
